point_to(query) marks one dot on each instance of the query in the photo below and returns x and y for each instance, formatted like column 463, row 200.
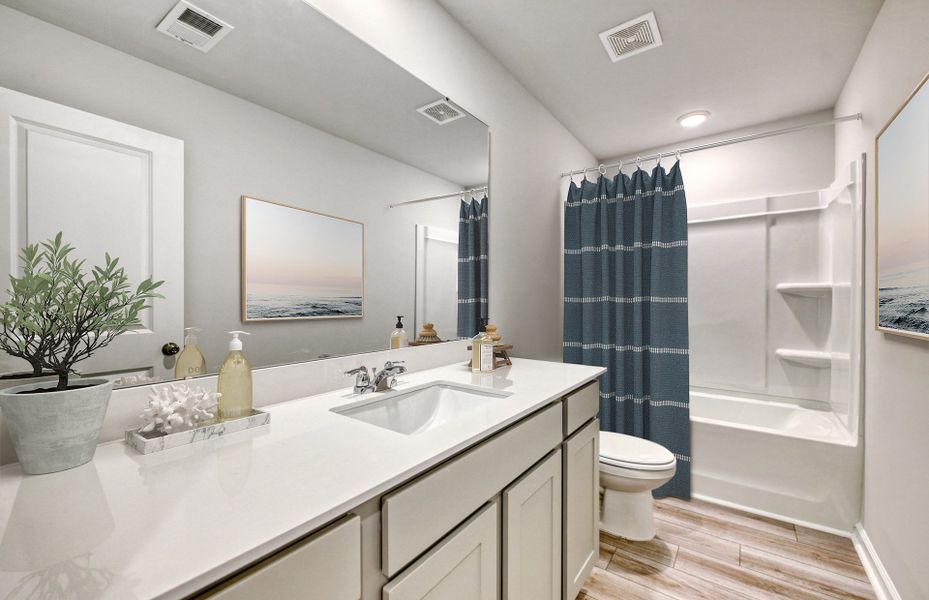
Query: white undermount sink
column 421, row 408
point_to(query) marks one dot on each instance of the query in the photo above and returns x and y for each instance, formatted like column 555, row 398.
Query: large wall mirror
column 277, row 180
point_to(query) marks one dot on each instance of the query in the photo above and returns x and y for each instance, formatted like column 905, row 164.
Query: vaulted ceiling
column 745, row 61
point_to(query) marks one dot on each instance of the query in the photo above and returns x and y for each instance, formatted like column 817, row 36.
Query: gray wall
column 233, row 147
column 894, row 59
column 774, row 166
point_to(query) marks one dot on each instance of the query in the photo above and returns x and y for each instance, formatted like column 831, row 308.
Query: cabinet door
column 464, row 566
column 581, row 506
column 532, row 533
column 325, row 566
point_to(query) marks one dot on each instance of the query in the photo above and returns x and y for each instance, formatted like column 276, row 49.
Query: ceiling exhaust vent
column 194, row 26
column 632, row 37
column 441, row 111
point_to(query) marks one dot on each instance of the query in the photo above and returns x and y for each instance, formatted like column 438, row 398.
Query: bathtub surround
column 777, row 459
column 894, row 59
column 472, row 265
column 625, row 305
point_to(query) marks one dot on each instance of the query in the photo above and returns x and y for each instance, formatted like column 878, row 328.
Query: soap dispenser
column 399, row 338
column 235, row 381
column 190, row 362
column 482, row 350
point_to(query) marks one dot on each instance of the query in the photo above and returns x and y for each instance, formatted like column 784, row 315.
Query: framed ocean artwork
column 902, row 219
column 299, row 264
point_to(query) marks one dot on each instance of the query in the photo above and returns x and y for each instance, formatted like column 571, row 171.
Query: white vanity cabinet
column 324, row 566
column 532, row 533
column 418, row 514
column 515, row 516
column 464, row 566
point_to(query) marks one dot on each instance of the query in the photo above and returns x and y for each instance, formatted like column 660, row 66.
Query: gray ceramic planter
column 54, row 431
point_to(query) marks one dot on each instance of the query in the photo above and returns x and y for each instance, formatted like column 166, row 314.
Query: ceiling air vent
column 632, row 37
column 441, row 111
column 194, row 26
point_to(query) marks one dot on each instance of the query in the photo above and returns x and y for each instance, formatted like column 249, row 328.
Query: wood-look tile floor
column 708, row 552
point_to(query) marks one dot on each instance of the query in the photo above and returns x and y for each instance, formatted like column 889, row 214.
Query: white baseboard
column 880, row 580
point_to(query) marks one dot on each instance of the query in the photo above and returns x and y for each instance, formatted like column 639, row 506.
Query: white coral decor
column 177, row 407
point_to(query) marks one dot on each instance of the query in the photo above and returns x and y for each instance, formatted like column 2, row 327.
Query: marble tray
column 146, row 443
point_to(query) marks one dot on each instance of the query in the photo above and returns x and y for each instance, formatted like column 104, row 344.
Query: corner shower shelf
column 811, row 358
column 808, row 290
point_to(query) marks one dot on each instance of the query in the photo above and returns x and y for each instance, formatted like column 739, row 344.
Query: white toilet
column 630, row 468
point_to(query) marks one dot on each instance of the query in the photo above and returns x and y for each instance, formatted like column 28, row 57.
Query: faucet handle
column 362, row 370
column 395, row 366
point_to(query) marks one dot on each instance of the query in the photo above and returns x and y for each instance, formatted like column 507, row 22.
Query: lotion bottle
column 399, row 338
column 190, row 362
column 482, row 350
column 235, row 381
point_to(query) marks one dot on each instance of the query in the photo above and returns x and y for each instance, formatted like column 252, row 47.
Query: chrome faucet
column 386, row 378
column 362, row 379
column 383, row 381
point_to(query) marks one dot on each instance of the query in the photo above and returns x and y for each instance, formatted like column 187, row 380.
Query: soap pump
column 190, row 362
column 482, row 350
column 235, row 381
column 399, row 338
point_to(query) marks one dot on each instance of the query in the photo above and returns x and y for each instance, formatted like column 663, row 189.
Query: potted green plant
column 21, row 340
column 58, row 314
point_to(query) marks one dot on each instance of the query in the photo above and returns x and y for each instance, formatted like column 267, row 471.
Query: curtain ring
column 677, row 154
column 620, row 165
column 602, row 169
column 638, row 162
column 659, row 159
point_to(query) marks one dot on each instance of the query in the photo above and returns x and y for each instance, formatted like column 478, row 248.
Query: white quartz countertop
column 164, row 525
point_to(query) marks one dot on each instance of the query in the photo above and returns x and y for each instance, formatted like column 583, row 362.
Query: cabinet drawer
column 324, row 566
column 417, row 515
column 581, row 406
column 464, row 566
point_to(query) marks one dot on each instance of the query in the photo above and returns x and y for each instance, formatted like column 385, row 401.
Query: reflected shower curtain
column 625, row 305
column 472, row 266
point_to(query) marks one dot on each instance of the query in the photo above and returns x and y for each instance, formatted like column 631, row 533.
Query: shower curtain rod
column 439, row 197
column 736, row 140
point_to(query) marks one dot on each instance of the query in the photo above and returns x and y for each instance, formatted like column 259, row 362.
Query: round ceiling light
column 692, row 119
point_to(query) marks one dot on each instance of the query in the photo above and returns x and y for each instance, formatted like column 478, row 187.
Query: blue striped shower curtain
column 472, row 266
column 625, row 305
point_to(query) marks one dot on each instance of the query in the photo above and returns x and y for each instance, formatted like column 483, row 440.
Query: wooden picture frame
column 901, row 219
column 299, row 264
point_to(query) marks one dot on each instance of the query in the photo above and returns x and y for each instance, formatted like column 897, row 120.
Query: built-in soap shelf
column 811, row 358
column 809, row 290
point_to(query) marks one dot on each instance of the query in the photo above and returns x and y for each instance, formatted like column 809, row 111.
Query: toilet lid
column 629, row 451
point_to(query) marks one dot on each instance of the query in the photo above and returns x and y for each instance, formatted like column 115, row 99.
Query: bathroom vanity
column 456, row 485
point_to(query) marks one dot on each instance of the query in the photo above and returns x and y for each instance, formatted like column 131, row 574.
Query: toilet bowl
column 630, row 468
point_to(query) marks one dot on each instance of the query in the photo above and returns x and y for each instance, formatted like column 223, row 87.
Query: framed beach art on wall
column 902, row 219
column 300, row 264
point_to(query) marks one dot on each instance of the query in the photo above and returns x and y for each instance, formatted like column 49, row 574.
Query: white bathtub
column 796, row 464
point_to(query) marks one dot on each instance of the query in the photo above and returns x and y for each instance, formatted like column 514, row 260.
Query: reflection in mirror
column 134, row 143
